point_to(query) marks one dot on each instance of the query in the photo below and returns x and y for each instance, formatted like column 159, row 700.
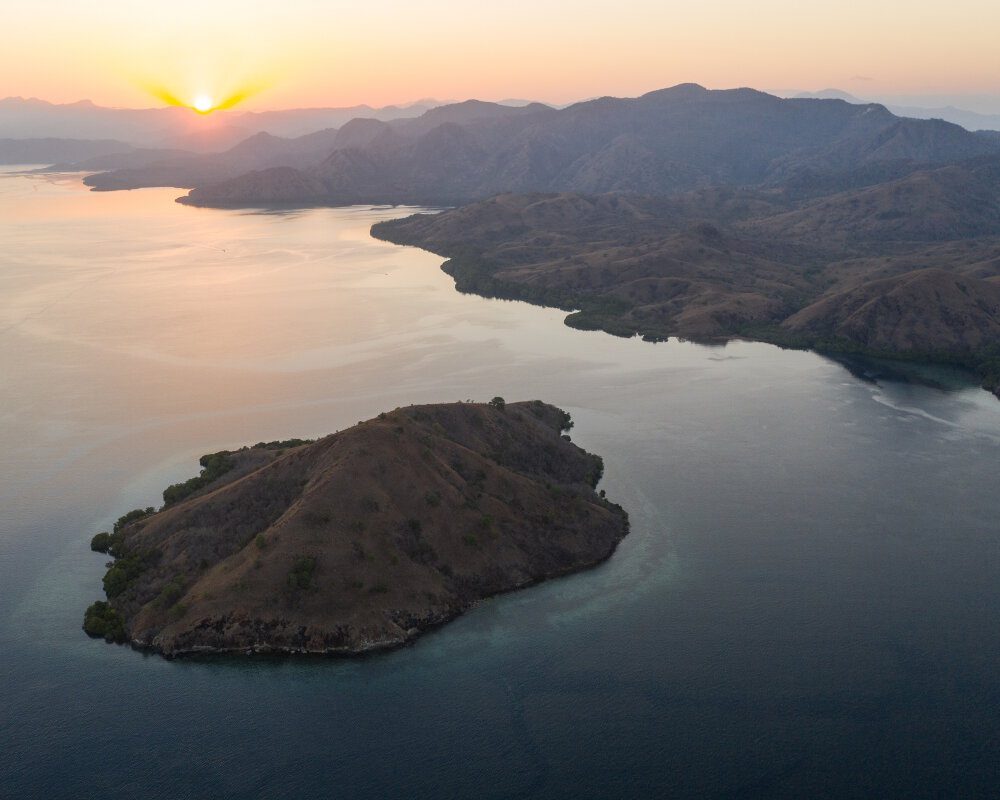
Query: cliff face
column 365, row 538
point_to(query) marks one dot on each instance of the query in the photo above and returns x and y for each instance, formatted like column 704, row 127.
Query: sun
column 202, row 104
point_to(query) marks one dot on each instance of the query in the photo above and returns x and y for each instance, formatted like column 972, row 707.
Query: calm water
column 808, row 603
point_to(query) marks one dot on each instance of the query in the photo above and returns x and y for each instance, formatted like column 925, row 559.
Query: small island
column 360, row 540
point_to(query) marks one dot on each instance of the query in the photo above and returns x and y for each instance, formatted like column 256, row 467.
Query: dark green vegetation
column 214, row 466
column 301, row 576
column 361, row 539
column 110, row 543
column 102, row 620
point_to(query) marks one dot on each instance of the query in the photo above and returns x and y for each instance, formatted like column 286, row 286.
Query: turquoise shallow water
column 807, row 603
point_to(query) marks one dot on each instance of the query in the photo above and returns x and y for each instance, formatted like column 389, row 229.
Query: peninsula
column 908, row 269
column 358, row 541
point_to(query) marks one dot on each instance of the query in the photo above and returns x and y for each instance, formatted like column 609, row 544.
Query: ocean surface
column 808, row 603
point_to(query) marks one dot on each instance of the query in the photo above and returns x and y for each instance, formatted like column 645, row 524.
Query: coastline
column 363, row 650
column 474, row 273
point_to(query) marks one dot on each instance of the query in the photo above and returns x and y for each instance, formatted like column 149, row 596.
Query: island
column 358, row 541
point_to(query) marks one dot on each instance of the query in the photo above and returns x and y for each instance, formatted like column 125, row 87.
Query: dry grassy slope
column 656, row 263
column 410, row 518
column 948, row 203
column 926, row 311
column 723, row 262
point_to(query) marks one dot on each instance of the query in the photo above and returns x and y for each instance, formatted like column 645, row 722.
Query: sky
column 312, row 53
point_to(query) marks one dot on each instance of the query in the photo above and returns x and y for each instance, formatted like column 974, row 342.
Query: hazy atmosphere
column 302, row 53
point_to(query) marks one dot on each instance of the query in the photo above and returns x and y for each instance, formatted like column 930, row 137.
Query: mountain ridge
column 664, row 142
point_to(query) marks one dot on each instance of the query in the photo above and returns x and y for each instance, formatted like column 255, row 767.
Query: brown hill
column 362, row 539
column 625, row 264
column 953, row 202
column 927, row 311
column 908, row 268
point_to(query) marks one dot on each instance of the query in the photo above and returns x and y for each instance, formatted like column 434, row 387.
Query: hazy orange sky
column 299, row 53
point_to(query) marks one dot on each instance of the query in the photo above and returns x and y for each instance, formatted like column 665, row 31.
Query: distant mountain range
column 970, row 120
column 50, row 150
column 664, row 142
column 183, row 169
column 137, row 168
column 667, row 141
column 176, row 127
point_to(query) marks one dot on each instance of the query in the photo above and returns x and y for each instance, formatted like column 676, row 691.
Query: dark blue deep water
column 808, row 604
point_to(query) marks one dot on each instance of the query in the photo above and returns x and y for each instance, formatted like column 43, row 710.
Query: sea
column 807, row 605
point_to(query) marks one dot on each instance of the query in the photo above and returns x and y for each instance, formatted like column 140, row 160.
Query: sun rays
column 201, row 102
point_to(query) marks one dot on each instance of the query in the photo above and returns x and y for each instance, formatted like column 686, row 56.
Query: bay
column 807, row 603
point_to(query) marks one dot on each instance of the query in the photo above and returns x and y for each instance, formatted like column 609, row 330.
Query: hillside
column 908, row 268
column 924, row 311
column 948, row 203
column 181, row 169
column 662, row 143
column 175, row 126
column 360, row 540
column 626, row 265
column 50, row 150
